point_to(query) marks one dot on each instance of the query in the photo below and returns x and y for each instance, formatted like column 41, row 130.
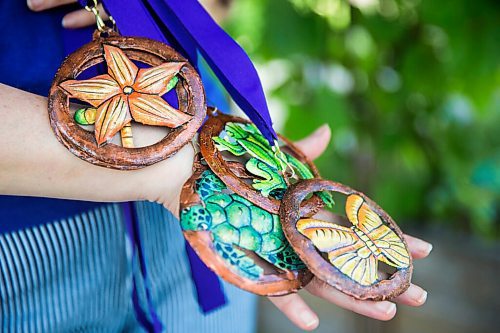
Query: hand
column 34, row 163
column 83, row 18
column 296, row 309
column 76, row 19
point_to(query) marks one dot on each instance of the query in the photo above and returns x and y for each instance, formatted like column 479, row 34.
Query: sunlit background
column 411, row 90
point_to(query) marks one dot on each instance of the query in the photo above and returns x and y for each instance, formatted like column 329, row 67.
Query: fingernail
column 429, row 248
column 35, row 4
column 422, row 298
column 309, row 319
column 417, row 294
column 67, row 21
column 386, row 307
column 321, row 130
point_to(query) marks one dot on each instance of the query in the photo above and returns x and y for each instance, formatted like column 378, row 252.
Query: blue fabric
column 29, row 38
column 18, row 212
column 31, row 50
column 75, row 275
column 208, row 289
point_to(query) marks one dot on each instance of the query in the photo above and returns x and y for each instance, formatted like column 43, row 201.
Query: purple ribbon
column 190, row 24
column 187, row 26
column 149, row 320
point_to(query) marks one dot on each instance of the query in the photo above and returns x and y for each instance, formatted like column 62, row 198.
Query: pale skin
column 34, row 163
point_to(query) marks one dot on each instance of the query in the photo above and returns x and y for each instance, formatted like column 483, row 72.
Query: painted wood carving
column 348, row 258
column 240, row 241
column 250, row 209
column 226, row 142
column 125, row 94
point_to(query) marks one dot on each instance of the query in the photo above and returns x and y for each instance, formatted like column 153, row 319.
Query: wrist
column 163, row 181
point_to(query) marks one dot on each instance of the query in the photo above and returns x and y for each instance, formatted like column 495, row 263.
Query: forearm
column 34, row 163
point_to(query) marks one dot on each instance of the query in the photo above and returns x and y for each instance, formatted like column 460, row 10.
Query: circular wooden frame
column 272, row 284
column 82, row 143
column 228, row 172
column 290, row 213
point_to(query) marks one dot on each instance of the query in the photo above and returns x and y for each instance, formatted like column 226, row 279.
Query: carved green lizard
column 268, row 164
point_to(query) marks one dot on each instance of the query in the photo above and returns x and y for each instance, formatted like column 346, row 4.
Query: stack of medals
column 250, row 212
column 250, row 208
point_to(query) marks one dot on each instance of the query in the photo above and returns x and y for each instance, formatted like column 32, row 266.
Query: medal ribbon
column 186, row 26
column 150, row 321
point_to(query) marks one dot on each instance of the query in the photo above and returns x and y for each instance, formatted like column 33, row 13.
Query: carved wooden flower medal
column 124, row 95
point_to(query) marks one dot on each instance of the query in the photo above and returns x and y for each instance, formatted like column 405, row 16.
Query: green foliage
column 411, row 90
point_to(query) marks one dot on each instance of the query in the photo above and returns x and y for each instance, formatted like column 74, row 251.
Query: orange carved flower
column 127, row 92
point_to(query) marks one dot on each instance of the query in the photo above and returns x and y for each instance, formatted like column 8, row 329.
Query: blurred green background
column 410, row 88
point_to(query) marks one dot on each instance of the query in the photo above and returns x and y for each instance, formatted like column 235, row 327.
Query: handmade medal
column 229, row 208
column 140, row 72
column 348, row 257
column 241, row 242
column 233, row 145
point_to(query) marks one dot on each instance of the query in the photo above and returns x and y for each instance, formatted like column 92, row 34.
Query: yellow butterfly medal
column 369, row 259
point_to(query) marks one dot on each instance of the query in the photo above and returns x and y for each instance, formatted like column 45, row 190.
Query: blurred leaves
column 410, row 88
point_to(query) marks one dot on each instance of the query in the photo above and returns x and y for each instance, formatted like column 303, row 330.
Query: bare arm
column 34, row 163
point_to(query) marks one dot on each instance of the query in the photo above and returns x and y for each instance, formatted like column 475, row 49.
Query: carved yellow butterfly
column 355, row 251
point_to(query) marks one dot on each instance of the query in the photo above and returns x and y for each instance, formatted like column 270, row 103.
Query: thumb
column 315, row 144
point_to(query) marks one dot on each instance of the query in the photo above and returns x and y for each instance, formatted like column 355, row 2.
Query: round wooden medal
column 348, row 258
column 126, row 93
column 236, row 173
column 242, row 243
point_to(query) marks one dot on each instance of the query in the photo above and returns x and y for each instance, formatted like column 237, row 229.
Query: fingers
column 414, row 296
column 377, row 310
column 39, row 5
column 82, row 18
column 299, row 313
column 76, row 19
column 294, row 307
column 419, row 248
column 315, row 144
